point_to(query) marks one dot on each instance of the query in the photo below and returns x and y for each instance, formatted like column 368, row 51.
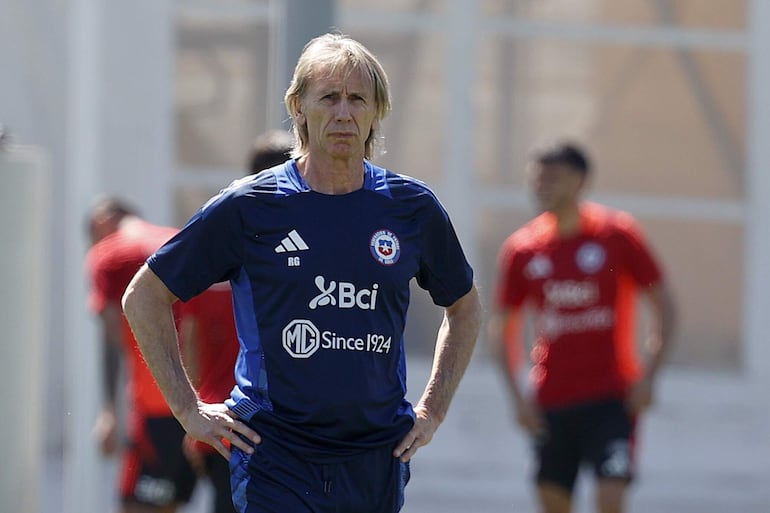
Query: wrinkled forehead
column 341, row 73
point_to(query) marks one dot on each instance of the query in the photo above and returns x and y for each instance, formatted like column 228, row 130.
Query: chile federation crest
column 385, row 247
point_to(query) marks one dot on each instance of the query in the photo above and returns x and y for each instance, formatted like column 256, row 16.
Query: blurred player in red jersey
column 155, row 477
column 211, row 342
column 579, row 266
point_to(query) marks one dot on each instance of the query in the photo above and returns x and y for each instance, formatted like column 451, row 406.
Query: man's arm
column 147, row 305
column 505, row 335
column 112, row 334
column 454, row 347
column 105, row 429
column 659, row 341
column 189, row 332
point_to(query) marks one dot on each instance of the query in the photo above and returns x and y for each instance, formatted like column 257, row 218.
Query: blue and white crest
column 385, row 247
column 590, row 257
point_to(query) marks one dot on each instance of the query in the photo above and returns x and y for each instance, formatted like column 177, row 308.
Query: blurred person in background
column 155, row 476
column 320, row 252
column 210, row 342
column 270, row 148
column 579, row 266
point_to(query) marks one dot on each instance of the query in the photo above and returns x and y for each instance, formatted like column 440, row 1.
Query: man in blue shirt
column 319, row 251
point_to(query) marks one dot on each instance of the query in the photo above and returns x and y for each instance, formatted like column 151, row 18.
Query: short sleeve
column 511, row 285
column 108, row 277
column 444, row 271
column 641, row 263
column 207, row 250
column 99, row 290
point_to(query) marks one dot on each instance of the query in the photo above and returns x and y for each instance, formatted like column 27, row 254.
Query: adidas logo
column 292, row 242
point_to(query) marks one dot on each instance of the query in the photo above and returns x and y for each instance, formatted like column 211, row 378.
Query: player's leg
column 610, row 495
column 558, row 461
column 609, row 447
column 554, row 498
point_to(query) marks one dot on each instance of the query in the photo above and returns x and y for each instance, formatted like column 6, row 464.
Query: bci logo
column 343, row 295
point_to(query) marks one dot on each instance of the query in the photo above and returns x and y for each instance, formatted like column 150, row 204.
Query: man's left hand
column 640, row 397
column 421, row 434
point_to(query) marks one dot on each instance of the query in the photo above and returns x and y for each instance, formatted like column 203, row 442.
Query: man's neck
column 332, row 176
column 568, row 220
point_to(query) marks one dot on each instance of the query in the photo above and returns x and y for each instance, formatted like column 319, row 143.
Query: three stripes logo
column 291, row 243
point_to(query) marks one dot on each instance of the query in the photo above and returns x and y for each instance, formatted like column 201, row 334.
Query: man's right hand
column 213, row 423
column 530, row 417
column 106, row 432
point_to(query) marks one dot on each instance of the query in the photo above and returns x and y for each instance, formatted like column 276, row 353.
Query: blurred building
column 159, row 101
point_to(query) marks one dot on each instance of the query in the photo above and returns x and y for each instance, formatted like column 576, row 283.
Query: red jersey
column 217, row 344
column 582, row 288
column 111, row 264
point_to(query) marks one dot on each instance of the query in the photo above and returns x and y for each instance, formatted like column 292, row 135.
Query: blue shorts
column 599, row 434
column 277, row 480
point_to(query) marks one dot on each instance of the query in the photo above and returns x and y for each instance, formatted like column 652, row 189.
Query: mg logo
column 301, row 338
column 343, row 295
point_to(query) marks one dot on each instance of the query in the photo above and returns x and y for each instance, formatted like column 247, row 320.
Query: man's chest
column 359, row 250
column 575, row 275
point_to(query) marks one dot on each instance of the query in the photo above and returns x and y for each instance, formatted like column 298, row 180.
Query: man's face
column 339, row 112
column 555, row 185
column 102, row 226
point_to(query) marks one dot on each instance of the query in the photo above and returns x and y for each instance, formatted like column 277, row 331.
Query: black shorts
column 276, row 480
column 154, row 470
column 218, row 472
column 598, row 434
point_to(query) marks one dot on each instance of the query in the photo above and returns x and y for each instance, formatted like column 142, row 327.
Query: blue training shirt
column 321, row 290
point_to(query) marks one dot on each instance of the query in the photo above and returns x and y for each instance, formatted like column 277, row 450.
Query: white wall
column 24, row 208
column 32, row 105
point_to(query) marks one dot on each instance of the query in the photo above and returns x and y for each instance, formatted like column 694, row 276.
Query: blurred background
column 159, row 101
